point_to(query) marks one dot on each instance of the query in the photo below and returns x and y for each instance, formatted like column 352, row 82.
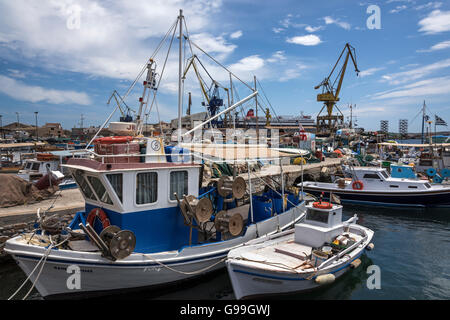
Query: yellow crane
column 327, row 124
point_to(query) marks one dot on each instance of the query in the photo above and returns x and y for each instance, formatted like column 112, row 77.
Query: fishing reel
column 236, row 187
column 229, row 223
column 121, row 243
column 199, row 209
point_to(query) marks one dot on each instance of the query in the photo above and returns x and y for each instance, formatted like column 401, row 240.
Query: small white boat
column 315, row 253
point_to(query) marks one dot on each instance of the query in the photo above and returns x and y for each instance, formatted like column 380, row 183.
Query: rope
column 43, row 260
column 184, row 272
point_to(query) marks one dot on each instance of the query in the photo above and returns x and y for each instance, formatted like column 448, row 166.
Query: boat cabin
column 323, row 222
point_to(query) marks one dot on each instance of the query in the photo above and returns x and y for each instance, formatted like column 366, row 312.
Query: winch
column 113, row 242
column 227, row 185
column 227, row 222
column 199, row 209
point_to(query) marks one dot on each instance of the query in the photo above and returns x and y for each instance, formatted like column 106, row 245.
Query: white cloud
column 416, row 73
column 248, row 64
column 438, row 46
column 308, row 40
column 436, row 22
column 114, row 38
column 21, row 91
column 429, row 5
column 277, row 56
column 342, row 24
column 423, row 88
column 236, row 35
column 313, row 29
column 398, row 9
column 369, row 72
column 277, row 30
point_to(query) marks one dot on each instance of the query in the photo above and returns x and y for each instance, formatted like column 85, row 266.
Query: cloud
column 313, row 29
column 416, row 73
column 369, row 72
column 439, row 46
column 113, row 38
column 277, row 30
column 398, row 9
column 21, row 91
column 342, row 24
column 436, row 22
column 308, row 40
column 423, row 88
column 429, row 5
column 236, row 35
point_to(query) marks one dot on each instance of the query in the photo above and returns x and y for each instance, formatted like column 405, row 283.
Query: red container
column 119, row 149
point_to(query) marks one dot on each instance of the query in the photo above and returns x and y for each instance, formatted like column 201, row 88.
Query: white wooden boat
column 319, row 250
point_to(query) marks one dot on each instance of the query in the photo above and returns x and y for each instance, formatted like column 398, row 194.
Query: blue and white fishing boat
column 147, row 222
column 375, row 186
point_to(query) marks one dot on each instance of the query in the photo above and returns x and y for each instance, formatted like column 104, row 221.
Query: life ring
column 114, row 140
column 357, row 185
column 322, row 205
column 97, row 212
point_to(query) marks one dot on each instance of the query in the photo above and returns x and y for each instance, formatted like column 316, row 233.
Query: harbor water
column 411, row 252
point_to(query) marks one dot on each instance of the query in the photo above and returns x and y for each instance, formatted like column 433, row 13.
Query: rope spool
column 200, row 209
column 224, row 222
column 226, row 186
column 121, row 243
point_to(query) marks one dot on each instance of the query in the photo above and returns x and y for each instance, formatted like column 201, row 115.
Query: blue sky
column 63, row 58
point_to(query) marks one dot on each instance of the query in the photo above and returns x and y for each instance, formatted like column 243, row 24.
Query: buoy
column 355, row 263
column 437, row 179
column 370, row 246
column 357, row 185
column 325, row 278
column 114, row 140
column 322, row 205
column 97, row 212
column 431, row 172
column 445, row 173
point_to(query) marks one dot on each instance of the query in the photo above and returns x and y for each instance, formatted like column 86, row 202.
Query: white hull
column 254, row 280
column 137, row 270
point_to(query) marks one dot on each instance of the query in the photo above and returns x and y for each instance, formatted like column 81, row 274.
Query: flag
column 439, row 121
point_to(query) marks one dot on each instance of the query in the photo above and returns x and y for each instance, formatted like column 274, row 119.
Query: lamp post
column 37, row 138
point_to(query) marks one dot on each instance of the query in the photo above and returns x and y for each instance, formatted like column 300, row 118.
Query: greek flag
column 439, row 121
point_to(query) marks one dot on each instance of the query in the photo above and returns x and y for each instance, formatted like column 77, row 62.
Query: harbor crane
column 329, row 123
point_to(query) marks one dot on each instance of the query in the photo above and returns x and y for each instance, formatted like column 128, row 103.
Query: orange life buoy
column 322, row 205
column 114, row 140
column 357, row 185
column 97, row 212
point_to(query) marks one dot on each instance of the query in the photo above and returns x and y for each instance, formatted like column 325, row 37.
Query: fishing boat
column 148, row 221
column 375, row 186
column 315, row 253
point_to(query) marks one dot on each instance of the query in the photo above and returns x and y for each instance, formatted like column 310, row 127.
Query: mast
column 180, row 110
column 423, row 119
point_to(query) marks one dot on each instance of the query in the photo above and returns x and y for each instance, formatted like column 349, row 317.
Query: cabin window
column 393, row 186
column 178, row 184
column 371, row 176
column 146, row 187
column 316, row 215
column 427, row 185
column 35, row 166
column 412, row 187
column 28, row 165
column 384, row 174
column 116, row 183
column 84, row 186
column 100, row 190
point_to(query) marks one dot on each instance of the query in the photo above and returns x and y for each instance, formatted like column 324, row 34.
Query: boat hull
column 250, row 283
column 425, row 199
column 98, row 275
